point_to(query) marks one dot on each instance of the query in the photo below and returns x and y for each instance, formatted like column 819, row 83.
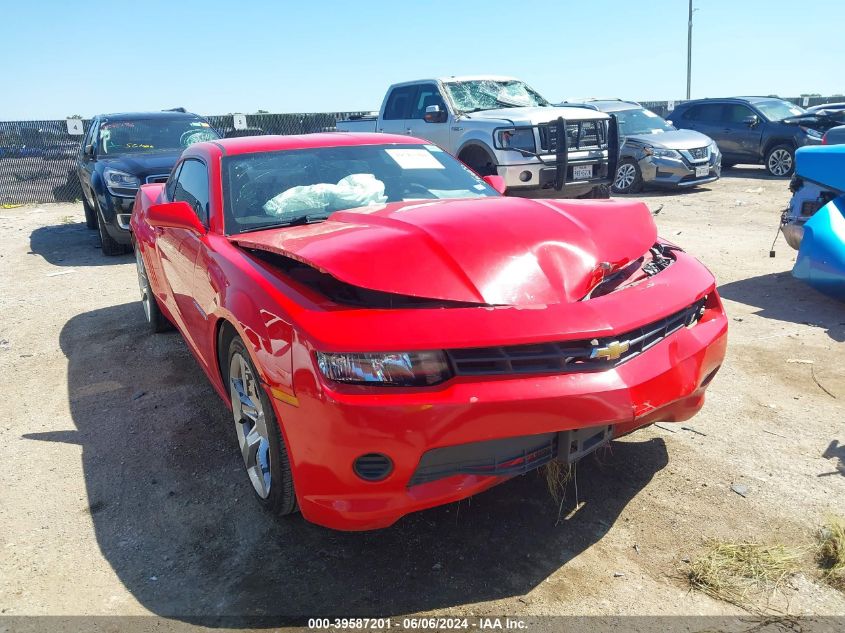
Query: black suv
column 755, row 130
column 119, row 153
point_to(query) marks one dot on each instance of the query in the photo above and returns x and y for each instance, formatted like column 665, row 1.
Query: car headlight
column 401, row 369
column 120, row 180
column 714, row 149
column 661, row 153
column 518, row 139
column 815, row 134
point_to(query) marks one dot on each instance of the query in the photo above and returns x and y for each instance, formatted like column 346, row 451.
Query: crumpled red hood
column 499, row 251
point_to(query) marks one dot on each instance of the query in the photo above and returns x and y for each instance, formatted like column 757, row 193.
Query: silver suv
column 653, row 152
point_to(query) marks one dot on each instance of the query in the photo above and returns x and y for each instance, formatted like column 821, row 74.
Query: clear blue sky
column 59, row 58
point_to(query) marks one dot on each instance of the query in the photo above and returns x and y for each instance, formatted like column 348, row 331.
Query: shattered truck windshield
column 488, row 94
column 302, row 186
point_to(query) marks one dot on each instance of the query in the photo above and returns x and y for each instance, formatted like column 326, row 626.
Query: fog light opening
column 525, row 176
column 373, row 466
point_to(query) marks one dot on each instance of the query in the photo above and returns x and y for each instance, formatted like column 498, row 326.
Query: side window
column 90, row 135
column 708, row 112
column 736, row 112
column 170, row 187
column 399, row 103
column 428, row 95
column 192, row 187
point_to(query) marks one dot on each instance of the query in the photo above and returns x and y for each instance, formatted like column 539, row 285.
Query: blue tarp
column 821, row 258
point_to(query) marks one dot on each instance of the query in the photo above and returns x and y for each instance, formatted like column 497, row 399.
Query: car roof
column 712, row 99
column 606, row 105
column 154, row 114
column 839, row 105
column 273, row 143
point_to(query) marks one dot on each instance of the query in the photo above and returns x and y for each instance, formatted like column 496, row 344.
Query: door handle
column 409, row 131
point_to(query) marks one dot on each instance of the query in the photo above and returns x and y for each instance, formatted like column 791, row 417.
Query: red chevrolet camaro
column 392, row 334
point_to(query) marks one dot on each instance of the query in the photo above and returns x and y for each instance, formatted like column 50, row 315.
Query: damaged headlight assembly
column 116, row 179
column 520, row 139
column 397, row 369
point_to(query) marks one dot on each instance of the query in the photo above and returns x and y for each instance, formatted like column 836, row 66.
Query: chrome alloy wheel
column 625, row 176
column 143, row 284
column 250, row 424
column 780, row 162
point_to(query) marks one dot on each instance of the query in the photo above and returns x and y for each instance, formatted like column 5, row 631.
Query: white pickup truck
column 499, row 125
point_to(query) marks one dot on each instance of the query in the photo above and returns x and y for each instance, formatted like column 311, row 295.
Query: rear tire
column 780, row 161
column 260, row 439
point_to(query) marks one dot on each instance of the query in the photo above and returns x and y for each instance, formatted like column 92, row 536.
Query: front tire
column 155, row 318
column 90, row 213
column 628, row 178
column 260, row 439
column 110, row 246
column 780, row 161
column 599, row 192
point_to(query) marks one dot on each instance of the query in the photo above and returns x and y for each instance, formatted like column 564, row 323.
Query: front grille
column 699, row 153
column 580, row 135
column 157, row 178
column 569, row 356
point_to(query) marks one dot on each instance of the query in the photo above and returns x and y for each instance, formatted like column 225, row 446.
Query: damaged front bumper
column 450, row 441
column 807, row 199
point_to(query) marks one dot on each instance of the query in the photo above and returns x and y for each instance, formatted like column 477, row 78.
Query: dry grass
column 831, row 551
column 740, row 573
column 557, row 476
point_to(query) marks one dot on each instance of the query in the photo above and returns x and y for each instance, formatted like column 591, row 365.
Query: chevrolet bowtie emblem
column 611, row 351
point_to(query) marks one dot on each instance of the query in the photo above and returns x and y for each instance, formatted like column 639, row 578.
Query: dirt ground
column 122, row 491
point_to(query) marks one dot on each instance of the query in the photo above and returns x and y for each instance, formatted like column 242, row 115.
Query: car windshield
column 778, row 110
column 301, row 186
column 641, row 121
column 151, row 135
column 487, row 94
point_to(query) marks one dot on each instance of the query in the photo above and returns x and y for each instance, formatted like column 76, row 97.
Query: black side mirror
column 89, row 150
column 434, row 114
column 751, row 120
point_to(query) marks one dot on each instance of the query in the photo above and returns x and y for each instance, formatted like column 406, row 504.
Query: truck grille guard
column 551, row 134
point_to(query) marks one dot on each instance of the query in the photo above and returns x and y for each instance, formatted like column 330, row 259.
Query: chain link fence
column 38, row 158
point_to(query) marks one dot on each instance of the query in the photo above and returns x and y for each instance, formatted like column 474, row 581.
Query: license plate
column 701, row 172
column 582, row 172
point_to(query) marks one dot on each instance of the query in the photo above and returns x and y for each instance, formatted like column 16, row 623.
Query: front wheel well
column 226, row 333
column 479, row 159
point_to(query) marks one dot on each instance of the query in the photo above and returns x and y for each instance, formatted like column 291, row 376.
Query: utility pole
column 689, row 50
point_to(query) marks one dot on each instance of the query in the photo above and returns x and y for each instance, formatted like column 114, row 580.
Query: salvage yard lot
column 122, row 491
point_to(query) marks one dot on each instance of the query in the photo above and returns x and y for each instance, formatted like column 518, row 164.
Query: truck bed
column 362, row 123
